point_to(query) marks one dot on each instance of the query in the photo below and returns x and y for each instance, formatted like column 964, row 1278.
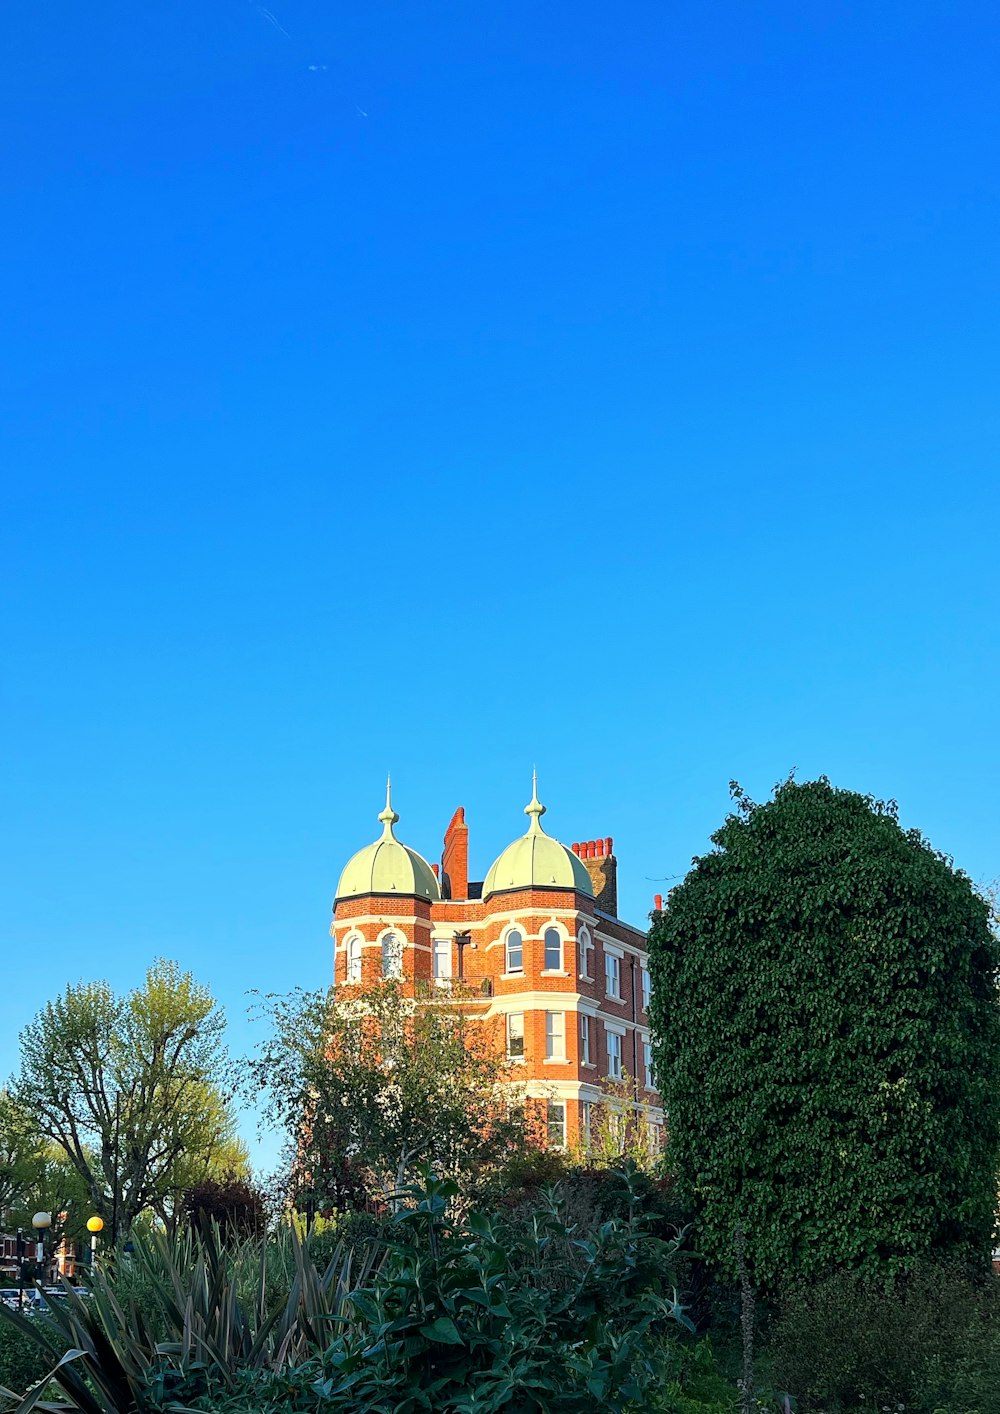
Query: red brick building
column 537, row 944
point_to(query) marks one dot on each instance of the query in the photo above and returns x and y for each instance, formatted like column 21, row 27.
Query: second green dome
column 537, row 861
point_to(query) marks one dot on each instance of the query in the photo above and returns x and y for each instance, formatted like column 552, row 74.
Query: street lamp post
column 41, row 1222
column 94, row 1226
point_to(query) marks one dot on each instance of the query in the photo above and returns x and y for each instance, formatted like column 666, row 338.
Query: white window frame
column 559, row 967
column 613, row 965
column 615, row 1049
column 586, row 1121
column 647, row 989
column 516, row 1059
column 586, row 1050
column 354, row 944
column 584, row 948
column 550, row 1106
column 615, row 1122
column 647, row 1060
column 555, row 1035
column 441, row 948
column 508, row 970
column 401, row 948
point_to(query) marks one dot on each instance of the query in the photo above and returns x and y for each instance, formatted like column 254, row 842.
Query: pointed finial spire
column 388, row 815
column 534, row 808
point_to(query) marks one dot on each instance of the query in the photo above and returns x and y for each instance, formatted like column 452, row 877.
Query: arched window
column 354, row 958
column 392, row 956
column 514, row 955
column 553, row 950
column 583, row 949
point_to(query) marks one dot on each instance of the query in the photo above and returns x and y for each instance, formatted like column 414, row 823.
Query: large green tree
column 131, row 1090
column 827, row 1038
column 368, row 1091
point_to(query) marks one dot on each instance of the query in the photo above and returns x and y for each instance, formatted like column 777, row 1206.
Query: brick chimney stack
column 602, row 866
column 455, row 858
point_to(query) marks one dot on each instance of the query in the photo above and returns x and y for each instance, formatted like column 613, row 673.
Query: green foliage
column 21, row 1153
column 385, row 1084
column 618, row 1134
column 458, row 1316
column 178, row 1313
column 464, row 1320
column 691, row 1383
column 22, row 1362
column 824, row 994
column 128, row 1088
column 928, row 1340
column 589, row 1195
column 35, row 1175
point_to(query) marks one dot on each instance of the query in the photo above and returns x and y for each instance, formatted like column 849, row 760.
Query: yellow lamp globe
column 95, row 1225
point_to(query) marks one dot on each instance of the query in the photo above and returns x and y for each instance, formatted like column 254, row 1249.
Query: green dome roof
column 388, row 866
column 537, row 861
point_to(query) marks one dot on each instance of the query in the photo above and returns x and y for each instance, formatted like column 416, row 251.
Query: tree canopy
column 129, row 1090
column 21, row 1153
column 369, row 1091
column 828, row 1039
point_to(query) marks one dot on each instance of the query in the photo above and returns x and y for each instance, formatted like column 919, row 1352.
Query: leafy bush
column 928, row 1341
column 469, row 1315
column 349, row 1229
column 824, row 991
column 458, row 1316
column 22, row 1362
column 462, row 1318
column 685, row 1380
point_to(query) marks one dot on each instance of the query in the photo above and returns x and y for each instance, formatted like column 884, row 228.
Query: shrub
column 467, row 1316
column 824, row 993
column 691, row 1382
column 22, row 1363
column 929, row 1340
column 475, row 1317
column 237, row 1206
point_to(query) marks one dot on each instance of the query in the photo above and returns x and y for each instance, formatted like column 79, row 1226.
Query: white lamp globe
column 41, row 1220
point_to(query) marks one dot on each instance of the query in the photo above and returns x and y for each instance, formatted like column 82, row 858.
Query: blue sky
column 455, row 388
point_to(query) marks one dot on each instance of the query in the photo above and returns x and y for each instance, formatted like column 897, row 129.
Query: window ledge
column 515, row 1060
column 610, row 997
column 511, row 976
column 589, row 1065
column 553, row 972
column 556, row 1060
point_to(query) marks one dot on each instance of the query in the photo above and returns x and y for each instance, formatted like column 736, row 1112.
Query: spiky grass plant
column 196, row 1316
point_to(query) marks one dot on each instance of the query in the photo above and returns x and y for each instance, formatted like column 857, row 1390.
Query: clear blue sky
column 457, row 387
